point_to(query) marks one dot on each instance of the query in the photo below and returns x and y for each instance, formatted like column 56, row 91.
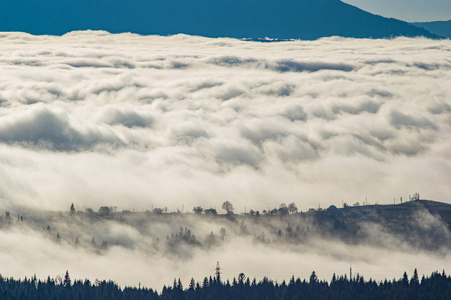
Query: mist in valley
column 151, row 248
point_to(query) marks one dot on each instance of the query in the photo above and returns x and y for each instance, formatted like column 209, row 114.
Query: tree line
column 435, row 286
column 283, row 209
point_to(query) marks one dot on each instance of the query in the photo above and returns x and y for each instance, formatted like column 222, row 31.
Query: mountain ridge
column 442, row 28
column 286, row 19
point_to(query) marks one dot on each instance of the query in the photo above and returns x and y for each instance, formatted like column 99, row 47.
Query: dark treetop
column 437, row 286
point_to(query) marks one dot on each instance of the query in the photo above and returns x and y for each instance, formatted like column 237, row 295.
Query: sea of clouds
column 133, row 121
column 136, row 122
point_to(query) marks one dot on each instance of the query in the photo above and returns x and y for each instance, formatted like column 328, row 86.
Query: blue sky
column 407, row 10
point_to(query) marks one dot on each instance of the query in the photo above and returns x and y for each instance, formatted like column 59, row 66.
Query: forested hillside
column 421, row 224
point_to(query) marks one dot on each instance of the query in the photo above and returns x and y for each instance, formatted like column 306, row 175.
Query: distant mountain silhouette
column 442, row 28
column 282, row 19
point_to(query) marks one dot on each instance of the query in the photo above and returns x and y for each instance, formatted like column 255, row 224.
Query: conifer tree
column 67, row 281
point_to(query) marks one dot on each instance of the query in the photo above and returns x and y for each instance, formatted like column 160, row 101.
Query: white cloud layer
column 128, row 120
column 134, row 121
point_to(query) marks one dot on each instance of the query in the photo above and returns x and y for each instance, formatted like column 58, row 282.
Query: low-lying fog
column 151, row 249
column 137, row 122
